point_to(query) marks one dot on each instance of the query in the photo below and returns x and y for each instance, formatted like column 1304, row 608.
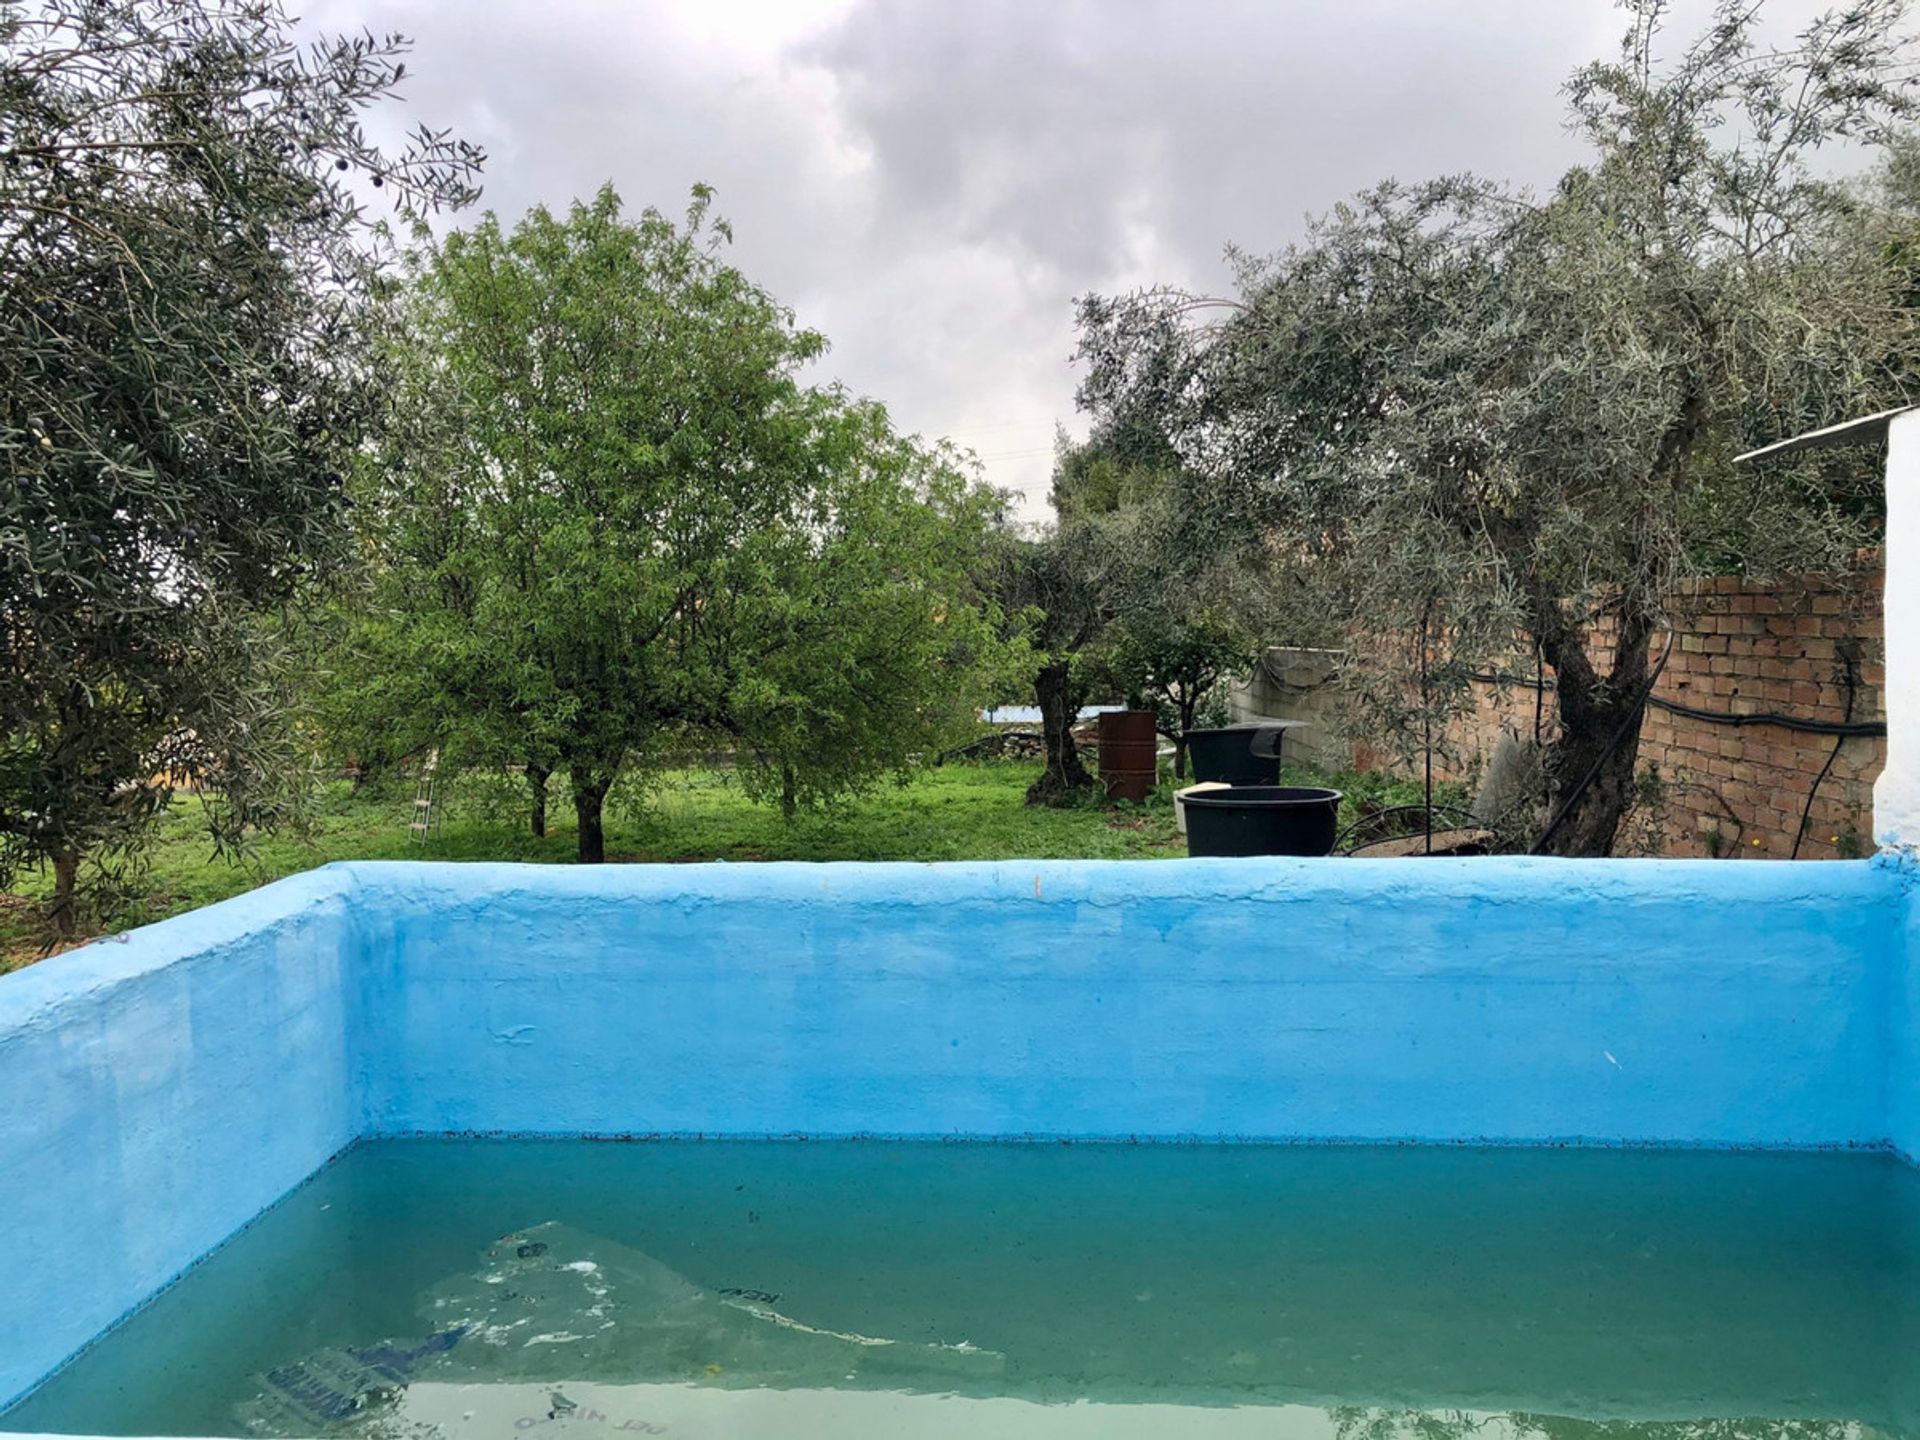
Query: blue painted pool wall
column 1506, row 1000
column 160, row 1090
column 164, row 1087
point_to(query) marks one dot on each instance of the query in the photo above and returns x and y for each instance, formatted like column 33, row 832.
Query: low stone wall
column 169, row 1084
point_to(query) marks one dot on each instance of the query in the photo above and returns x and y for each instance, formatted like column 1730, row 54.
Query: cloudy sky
column 932, row 182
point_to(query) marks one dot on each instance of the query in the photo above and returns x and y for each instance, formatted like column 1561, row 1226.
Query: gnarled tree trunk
column 1064, row 775
column 1599, row 742
column 1187, row 703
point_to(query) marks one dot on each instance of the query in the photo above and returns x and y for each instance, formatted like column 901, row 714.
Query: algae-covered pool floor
column 565, row 1289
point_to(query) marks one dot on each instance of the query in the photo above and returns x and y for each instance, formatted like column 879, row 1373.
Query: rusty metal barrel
column 1129, row 758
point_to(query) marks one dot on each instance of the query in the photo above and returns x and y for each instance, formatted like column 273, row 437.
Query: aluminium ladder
column 426, row 815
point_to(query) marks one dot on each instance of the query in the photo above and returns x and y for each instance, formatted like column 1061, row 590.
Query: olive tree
column 1058, row 586
column 619, row 521
column 1479, row 414
column 184, row 282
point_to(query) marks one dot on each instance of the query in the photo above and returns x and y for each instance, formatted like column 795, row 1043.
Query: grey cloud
column 1063, row 130
column 932, row 183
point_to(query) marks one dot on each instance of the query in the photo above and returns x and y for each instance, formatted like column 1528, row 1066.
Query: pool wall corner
column 1900, row 1012
column 162, row 1088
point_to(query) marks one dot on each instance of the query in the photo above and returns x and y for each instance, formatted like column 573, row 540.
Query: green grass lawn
column 957, row 812
column 972, row 811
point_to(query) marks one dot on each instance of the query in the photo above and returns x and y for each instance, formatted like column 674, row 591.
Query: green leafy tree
column 183, row 290
column 619, row 521
column 1175, row 655
column 1471, row 413
column 1123, row 464
column 1180, row 607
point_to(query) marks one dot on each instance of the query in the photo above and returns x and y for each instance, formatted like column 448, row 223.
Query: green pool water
column 493, row 1289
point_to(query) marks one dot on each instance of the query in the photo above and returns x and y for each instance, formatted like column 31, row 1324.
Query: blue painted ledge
column 188, row 1074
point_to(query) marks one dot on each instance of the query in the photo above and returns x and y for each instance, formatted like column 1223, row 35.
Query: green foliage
column 617, row 518
column 183, row 294
column 1461, row 413
column 1177, row 610
column 1121, row 465
column 1126, row 597
column 1175, row 657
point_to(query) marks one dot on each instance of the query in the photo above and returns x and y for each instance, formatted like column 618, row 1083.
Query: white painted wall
column 1896, row 795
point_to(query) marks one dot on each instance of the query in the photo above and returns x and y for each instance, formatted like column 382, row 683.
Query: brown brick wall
column 1746, row 648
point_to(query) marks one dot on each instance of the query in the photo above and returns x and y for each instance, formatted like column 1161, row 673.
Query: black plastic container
column 1236, row 754
column 1262, row 820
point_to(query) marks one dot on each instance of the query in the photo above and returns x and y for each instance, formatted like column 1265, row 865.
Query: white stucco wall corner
column 1896, row 794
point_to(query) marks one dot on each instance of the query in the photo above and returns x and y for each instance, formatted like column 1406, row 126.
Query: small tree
column 619, row 520
column 184, row 286
column 1175, row 657
column 1179, row 602
column 1514, row 416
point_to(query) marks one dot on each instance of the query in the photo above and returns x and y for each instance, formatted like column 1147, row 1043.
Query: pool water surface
column 486, row 1289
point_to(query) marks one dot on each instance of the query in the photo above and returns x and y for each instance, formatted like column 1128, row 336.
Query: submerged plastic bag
column 553, row 1305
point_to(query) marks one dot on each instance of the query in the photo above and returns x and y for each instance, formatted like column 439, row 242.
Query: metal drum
column 1129, row 754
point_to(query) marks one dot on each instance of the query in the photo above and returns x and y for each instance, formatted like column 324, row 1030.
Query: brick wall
column 1795, row 649
column 1787, row 648
column 1791, row 648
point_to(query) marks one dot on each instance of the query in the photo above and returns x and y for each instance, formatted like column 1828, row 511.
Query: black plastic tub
column 1262, row 820
column 1236, row 754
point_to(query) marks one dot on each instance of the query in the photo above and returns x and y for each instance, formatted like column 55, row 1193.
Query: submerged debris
column 550, row 1306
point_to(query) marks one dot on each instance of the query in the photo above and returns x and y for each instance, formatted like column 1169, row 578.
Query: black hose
column 1852, row 729
column 1807, row 809
column 1852, row 683
column 1845, row 730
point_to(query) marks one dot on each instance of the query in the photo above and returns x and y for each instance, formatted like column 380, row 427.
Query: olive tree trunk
column 1064, row 775
column 1591, row 765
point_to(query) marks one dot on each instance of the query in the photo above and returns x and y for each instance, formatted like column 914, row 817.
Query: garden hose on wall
column 1850, row 677
column 1845, row 729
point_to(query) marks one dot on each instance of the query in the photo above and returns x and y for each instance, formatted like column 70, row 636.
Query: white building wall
column 1896, row 795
